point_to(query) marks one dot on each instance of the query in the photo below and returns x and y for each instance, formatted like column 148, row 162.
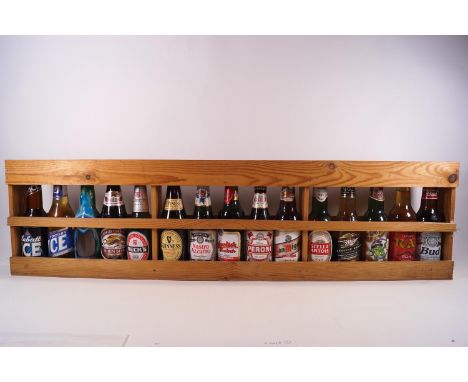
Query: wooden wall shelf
column 302, row 174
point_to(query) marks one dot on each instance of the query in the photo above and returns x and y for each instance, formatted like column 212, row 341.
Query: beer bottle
column 429, row 244
column 287, row 243
column 138, row 240
column 61, row 239
column 259, row 243
column 87, row 242
column 202, row 242
column 34, row 239
column 113, row 239
column 347, row 244
column 173, row 242
column 230, row 242
column 402, row 244
column 375, row 242
column 320, row 242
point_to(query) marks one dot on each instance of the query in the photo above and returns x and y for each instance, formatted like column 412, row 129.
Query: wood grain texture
column 185, row 270
column 16, row 206
column 287, row 225
column 447, row 245
column 239, row 172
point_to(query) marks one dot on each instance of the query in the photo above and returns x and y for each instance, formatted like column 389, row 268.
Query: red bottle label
column 259, row 245
column 402, row 246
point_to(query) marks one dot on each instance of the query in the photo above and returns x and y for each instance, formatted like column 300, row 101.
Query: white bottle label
column 320, row 246
column 31, row 245
column 429, row 246
column 287, row 245
column 229, row 245
column 202, row 245
column 259, row 245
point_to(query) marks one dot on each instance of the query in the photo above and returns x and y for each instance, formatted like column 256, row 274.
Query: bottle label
column 348, row 246
column 402, row 246
column 113, row 198
column 58, row 192
column 377, row 194
column 259, row 245
column 229, row 245
column 171, row 245
column 430, row 194
column 260, row 201
column 33, row 189
column 60, row 242
column 202, row 197
column 321, row 194
column 113, row 243
column 376, row 246
column 429, row 246
column 31, row 246
column 320, row 246
column 287, row 245
column 287, row 194
column 140, row 200
column 230, row 194
column 348, row 192
column 202, row 245
column 173, row 205
column 137, row 246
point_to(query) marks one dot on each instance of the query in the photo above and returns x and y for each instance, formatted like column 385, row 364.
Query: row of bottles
column 232, row 245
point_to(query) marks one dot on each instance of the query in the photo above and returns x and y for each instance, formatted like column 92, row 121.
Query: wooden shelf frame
column 302, row 174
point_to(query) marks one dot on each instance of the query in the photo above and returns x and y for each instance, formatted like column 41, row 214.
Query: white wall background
column 376, row 98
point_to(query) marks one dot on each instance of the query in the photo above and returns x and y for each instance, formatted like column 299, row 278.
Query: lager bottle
column 113, row 239
column 375, row 242
column 173, row 242
column 202, row 242
column 320, row 242
column 138, row 240
column 259, row 243
column 34, row 239
column 61, row 239
column 287, row 243
column 429, row 244
column 402, row 244
column 230, row 242
column 347, row 244
column 87, row 242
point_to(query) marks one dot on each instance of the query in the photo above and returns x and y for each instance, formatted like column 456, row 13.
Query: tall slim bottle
column 429, row 244
column 375, row 246
column 402, row 244
column 320, row 242
column 113, row 240
column 287, row 245
column 202, row 242
column 230, row 242
column 139, row 240
column 34, row 239
column 87, row 240
column 61, row 239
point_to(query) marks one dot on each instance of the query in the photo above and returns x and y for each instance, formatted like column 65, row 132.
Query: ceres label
column 137, row 246
column 287, row 245
column 376, row 246
column 202, row 245
column 229, row 245
column 171, row 245
column 320, row 246
column 259, row 245
column 113, row 243
column 429, row 246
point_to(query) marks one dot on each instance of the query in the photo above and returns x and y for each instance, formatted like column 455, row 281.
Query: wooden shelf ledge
column 215, row 270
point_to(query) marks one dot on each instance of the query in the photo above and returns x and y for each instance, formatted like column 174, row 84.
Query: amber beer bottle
column 202, row 242
column 429, row 244
column 259, row 243
column 402, row 244
column 347, row 244
column 173, row 242
column 34, row 239
column 61, row 239
column 230, row 242
column 287, row 243
column 113, row 239
column 139, row 240
column 375, row 246
column 320, row 242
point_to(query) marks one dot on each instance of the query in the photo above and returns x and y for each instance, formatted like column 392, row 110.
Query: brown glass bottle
column 375, row 246
column 173, row 242
column 402, row 244
column 287, row 245
column 139, row 240
column 347, row 246
column 113, row 240
column 429, row 244
column 259, row 244
column 230, row 242
column 320, row 242
column 34, row 239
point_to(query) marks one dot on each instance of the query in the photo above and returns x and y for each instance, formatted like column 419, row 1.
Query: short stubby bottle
column 202, row 242
column 138, row 240
column 375, row 246
column 429, row 244
column 113, row 240
column 230, row 242
column 87, row 241
column 34, row 239
column 259, row 244
column 287, row 244
column 320, row 242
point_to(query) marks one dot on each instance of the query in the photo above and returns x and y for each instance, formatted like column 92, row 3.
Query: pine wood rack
column 302, row 174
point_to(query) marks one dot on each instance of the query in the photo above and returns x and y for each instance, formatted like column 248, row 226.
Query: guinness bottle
column 429, row 244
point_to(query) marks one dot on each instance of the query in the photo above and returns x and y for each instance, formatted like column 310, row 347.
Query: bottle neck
column 376, row 201
column 287, row 207
column 403, row 198
column 34, row 198
column 202, row 203
column 429, row 198
column 347, row 209
column 140, row 200
column 173, row 203
column 259, row 204
column 320, row 202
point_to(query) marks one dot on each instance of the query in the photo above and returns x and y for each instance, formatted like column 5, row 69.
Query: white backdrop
column 376, row 98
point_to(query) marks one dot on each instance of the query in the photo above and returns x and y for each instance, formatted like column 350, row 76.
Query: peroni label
column 259, row 245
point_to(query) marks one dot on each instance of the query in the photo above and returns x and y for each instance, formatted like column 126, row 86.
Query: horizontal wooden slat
column 231, row 224
column 239, row 172
column 166, row 270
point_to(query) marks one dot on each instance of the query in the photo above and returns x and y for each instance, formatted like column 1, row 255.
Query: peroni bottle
column 429, row 244
column 320, row 242
column 375, row 246
column 138, row 240
column 34, row 239
column 87, row 240
column 113, row 240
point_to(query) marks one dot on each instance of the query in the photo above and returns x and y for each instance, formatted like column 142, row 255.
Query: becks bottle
column 139, row 240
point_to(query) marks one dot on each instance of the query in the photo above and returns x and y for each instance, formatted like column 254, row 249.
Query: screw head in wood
column 452, row 178
column 331, row 166
column 88, row 177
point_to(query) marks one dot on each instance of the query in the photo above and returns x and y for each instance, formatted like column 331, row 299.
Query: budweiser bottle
column 429, row 244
